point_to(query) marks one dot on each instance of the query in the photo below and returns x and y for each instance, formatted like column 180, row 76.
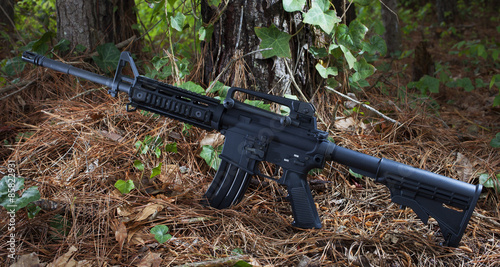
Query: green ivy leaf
column 377, row 44
column 156, row 171
column 172, row 147
column 62, row 45
column 258, row 103
column 348, row 56
column 158, row 152
column 273, row 38
column 355, row 174
column 124, row 186
column 343, row 36
column 10, row 199
column 242, row 263
column 318, row 52
column 363, row 70
column 426, row 83
column 205, row 33
column 495, row 80
column 193, row 87
column 139, row 165
column 14, row 66
column 161, row 233
column 178, row 21
column 32, row 210
column 325, row 72
column 214, row 3
column 211, row 157
column 293, row 5
column 357, row 31
column 362, row 2
column 486, row 181
column 495, row 142
column 465, row 83
column 496, row 101
column 108, row 57
column 41, row 45
column 321, row 16
column 220, row 89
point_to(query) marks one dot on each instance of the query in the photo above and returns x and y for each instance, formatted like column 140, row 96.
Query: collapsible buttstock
column 228, row 186
column 450, row 202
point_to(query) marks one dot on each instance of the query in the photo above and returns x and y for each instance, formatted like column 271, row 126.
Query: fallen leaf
column 27, row 260
column 124, row 211
column 212, row 140
column 149, row 210
column 463, row 167
column 349, row 124
column 113, row 136
column 151, row 260
column 67, row 260
column 171, row 173
column 121, row 234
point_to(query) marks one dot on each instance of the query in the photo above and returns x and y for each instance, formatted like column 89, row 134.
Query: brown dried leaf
column 149, row 210
column 151, row 260
column 67, row 260
column 121, row 234
column 212, row 140
column 113, row 136
column 27, row 260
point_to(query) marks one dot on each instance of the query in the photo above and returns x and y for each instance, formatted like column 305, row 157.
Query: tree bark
column 7, row 15
column 94, row 22
column 446, row 10
column 234, row 36
column 392, row 34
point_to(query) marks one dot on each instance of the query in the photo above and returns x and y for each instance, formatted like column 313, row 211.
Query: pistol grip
column 228, row 186
column 304, row 210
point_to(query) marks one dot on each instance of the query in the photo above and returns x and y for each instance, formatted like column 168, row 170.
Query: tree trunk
column 392, row 34
column 7, row 15
column 345, row 10
column 234, row 36
column 93, row 22
column 446, row 10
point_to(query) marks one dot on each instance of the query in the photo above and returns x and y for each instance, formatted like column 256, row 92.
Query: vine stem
column 363, row 105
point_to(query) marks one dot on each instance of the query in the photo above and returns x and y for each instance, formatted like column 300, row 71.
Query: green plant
column 157, row 147
column 124, row 186
column 161, row 233
column 495, row 142
column 345, row 45
column 490, row 182
column 211, row 156
column 9, row 196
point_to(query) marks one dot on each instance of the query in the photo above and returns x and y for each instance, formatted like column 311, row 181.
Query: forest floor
column 74, row 141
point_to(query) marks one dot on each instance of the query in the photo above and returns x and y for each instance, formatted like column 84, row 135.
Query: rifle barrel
column 42, row 61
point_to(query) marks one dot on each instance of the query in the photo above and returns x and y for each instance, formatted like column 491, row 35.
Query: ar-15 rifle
column 292, row 142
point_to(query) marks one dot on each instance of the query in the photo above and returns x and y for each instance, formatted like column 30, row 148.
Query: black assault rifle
column 292, row 142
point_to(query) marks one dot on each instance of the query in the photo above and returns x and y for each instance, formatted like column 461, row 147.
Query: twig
column 230, row 64
column 229, row 261
column 299, row 90
column 119, row 45
column 471, row 122
column 14, row 86
column 86, row 92
column 363, row 105
column 13, row 25
column 17, row 91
